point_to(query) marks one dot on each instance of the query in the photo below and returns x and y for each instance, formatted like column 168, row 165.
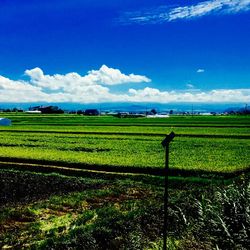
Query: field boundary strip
column 61, row 167
column 139, row 125
column 126, row 133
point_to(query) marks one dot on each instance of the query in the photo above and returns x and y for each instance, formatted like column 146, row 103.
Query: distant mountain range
column 135, row 107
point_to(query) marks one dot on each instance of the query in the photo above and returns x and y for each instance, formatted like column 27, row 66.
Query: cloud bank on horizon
column 166, row 13
column 94, row 87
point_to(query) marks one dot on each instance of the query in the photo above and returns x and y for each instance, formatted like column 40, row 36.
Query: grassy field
column 51, row 211
column 219, row 155
column 183, row 121
column 85, row 209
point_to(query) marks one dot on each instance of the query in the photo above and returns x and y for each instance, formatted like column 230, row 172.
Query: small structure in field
column 5, row 122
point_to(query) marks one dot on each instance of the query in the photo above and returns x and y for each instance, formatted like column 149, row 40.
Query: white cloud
column 94, row 88
column 110, row 76
column 72, row 82
column 70, row 87
column 200, row 70
column 215, row 96
column 168, row 14
column 189, row 85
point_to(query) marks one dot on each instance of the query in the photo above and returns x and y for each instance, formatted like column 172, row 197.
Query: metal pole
column 165, row 226
column 165, row 143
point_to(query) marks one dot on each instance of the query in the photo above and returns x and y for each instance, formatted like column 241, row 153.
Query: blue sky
column 133, row 50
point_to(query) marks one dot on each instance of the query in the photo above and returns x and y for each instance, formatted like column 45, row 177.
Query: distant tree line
column 11, row 110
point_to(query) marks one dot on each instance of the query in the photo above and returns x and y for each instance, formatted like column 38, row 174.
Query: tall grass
column 220, row 220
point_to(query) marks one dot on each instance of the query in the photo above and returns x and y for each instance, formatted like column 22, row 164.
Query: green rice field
column 203, row 143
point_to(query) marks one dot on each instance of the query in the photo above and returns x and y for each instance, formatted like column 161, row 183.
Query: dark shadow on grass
column 77, row 168
column 25, row 187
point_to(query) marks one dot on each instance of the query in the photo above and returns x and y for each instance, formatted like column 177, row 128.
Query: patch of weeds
column 56, row 222
column 86, row 217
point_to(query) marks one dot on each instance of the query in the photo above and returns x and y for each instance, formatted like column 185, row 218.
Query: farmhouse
column 5, row 122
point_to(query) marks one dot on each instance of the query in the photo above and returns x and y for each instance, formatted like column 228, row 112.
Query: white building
column 5, row 122
column 158, row 116
column 33, row 112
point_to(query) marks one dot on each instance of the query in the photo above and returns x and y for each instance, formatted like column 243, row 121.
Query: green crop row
column 134, row 129
column 207, row 154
